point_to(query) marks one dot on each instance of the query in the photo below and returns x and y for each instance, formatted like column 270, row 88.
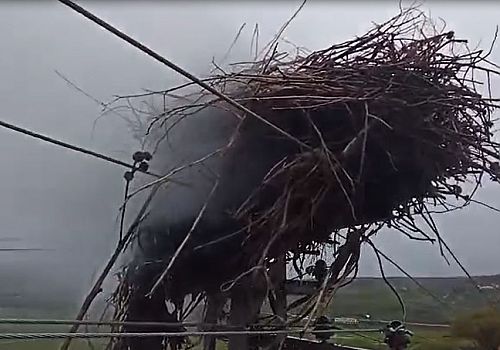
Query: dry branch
column 359, row 136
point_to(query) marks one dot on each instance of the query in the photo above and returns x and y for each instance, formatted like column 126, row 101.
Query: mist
column 68, row 203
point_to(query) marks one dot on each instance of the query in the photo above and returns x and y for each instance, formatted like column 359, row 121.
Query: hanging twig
column 176, row 68
column 184, row 242
column 96, row 289
column 381, row 268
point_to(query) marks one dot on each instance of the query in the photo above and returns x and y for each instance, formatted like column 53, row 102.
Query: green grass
column 424, row 339
column 364, row 296
column 372, row 296
column 44, row 345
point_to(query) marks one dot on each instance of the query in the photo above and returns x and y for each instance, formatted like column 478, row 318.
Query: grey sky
column 57, row 199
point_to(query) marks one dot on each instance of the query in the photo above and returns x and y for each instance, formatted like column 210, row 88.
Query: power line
column 16, row 321
column 71, row 147
column 24, row 321
column 418, row 324
column 24, row 250
column 27, row 321
column 175, row 67
column 7, row 336
column 413, row 279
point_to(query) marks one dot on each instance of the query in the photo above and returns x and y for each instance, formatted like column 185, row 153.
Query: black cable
column 122, row 219
column 176, row 68
column 435, row 297
column 392, row 262
column 70, row 146
column 381, row 266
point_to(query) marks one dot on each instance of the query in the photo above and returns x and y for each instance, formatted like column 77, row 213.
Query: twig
column 352, row 242
column 169, row 175
column 233, row 43
column 281, row 30
column 176, row 68
column 124, row 207
column 184, row 242
column 381, row 266
column 396, row 265
column 96, row 289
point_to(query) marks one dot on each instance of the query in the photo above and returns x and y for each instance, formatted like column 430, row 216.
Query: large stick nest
column 373, row 130
column 367, row 132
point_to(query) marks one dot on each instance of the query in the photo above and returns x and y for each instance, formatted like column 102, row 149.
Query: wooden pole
column 247, row 297
column 213, row 311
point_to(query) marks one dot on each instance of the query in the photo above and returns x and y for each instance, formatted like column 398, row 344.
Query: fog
column 68, row 203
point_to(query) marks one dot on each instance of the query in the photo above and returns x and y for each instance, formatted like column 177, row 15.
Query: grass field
column 45, row 345
column 451, row 296
column 364, row 296
column 425, row 340
column 422, row 340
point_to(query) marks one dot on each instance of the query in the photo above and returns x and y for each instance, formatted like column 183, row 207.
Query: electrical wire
column 96, row 335
column 66, row 145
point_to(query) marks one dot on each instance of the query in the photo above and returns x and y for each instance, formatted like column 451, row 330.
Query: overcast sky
column 57, row 199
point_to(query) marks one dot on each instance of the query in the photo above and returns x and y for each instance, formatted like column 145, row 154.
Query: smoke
column 66, row 202
column 194, row 138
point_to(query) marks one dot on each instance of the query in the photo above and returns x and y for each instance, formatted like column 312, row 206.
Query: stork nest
column 367, row 133
column 373, row 130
